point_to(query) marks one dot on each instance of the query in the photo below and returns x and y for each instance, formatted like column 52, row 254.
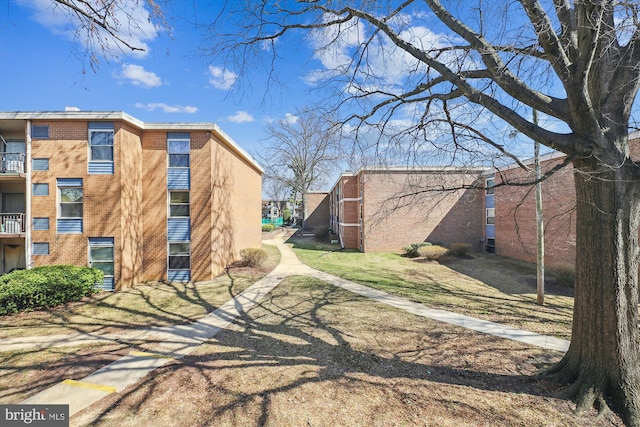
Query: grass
column 140, row 307
column 315, row 355
column 484, row 286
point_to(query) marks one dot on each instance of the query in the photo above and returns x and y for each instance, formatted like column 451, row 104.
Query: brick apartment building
column 386, row 209
column 389, row 208
column 515, row 221
column 141, row 201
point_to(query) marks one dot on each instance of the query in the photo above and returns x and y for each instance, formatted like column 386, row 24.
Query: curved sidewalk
column 178, row 341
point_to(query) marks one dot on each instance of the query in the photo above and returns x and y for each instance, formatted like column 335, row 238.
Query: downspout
column 28, row 221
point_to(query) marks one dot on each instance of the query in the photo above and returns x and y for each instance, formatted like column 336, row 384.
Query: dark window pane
column 179, row 197
column 102, row 138
column 179, row 147
column 40, row 131
column 179, row 248
column 102, row 153
column 102, row 253
column 71, row 210
column 105, row 267
column 71, row 195
column 179, row 262
column 179, row 210
column 179, row 160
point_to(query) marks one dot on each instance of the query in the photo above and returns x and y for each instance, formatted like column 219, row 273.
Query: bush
column 565, row 275
column 48, row 286
column 321, row 233
column 459, row 249
column 412, row 251
column 432, row 252
column 268, row 227
column 253, row 257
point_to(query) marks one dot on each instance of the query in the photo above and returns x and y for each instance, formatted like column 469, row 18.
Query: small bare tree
column 300, row 152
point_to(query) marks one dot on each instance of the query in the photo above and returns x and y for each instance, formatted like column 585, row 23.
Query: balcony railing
column 11, row 223
column 13, row 162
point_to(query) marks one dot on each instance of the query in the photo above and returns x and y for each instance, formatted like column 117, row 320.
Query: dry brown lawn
column 315, row 355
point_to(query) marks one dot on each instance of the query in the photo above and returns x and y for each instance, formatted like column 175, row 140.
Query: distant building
column 140, row 201
column 386, row 209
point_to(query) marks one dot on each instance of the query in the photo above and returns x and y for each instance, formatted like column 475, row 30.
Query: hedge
column 47, row 286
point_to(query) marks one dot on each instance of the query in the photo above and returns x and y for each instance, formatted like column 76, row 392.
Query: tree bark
column 603, row 360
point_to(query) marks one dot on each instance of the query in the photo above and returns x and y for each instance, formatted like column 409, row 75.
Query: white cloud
column 241, row 117
column 138, row 76
column 387, row 68
column 290, row 118
column 221, row 78
column 132, row 20
column 166, row 108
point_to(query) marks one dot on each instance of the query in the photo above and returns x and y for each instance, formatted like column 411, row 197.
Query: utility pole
column 539, row 219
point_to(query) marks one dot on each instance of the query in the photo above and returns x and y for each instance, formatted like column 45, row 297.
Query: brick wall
column 131, row 205
column 516, row 216
column 318, row 210
column 236, row 204
column 129, row 243
column 154, row 204
column 401, row 207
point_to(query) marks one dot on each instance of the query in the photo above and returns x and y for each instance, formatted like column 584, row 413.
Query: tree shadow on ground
column 312, row 354
column 121, row 317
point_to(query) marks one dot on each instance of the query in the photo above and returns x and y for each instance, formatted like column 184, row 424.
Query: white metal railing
column 11, row 223
column 13, row 162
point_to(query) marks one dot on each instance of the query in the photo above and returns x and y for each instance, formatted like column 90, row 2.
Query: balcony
column 12, row 164
column 11, row 224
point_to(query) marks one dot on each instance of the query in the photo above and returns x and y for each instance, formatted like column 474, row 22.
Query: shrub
column 253, row 257
column 47, row 286
column 268, row 227
column 412, row 251
column 321, row 233
column 432, row 252
column 565, row 275
column 459, row 249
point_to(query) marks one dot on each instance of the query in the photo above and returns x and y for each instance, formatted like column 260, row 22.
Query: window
column 40, row 131
column 491, row 216
column 178, row 153
column 70, row 202
column 70, row 206
column 40, row 248
column 40, row 189
column 40, row 164
column 178, row 203
column 101, row 255
column 491, row 245
column 40, row 223
column 101, row 141
column 179, row 255
column 489, row 186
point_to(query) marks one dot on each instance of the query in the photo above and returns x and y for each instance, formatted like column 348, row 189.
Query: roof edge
column 122, row 116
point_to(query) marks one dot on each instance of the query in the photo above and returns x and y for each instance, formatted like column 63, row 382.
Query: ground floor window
column 101, row 256
column 179, row 261
column 491, row 245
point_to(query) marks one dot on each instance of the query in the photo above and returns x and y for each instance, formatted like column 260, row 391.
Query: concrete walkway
column 178, row 341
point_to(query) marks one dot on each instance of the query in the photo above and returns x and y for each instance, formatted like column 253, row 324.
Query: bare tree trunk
column 600, row 363
column 304, row 210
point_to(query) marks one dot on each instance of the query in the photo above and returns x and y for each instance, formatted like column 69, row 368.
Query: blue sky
column 44, row 69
